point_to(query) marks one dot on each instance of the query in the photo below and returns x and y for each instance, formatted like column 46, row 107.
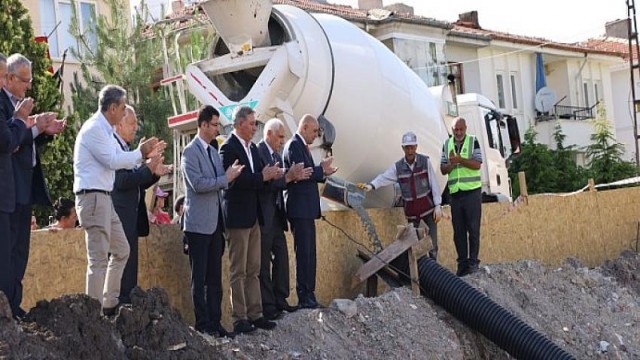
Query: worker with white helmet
column 419, row 186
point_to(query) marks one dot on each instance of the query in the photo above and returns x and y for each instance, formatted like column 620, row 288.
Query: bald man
column 461, row 160
column 302, row 201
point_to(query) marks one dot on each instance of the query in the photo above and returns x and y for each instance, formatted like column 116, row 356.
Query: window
column 597, row 85
column 455, row 69
column 56, row 24
column 426, row 58
column 500, row 87
column 514, row 91
column 585, row 88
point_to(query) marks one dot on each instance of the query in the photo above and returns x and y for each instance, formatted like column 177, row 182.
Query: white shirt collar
column 269, row 147
column 242, row 141
column 11, row 96
column 204, row 144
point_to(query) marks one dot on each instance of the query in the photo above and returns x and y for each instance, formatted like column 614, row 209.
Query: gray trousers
column 104, row 235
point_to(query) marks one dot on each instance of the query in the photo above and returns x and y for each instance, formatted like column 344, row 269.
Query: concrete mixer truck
column 285, row 62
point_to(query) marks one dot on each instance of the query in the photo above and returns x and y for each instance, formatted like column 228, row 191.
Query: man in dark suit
column 243, row 216
column 274, row 262
column 204, row 179
column 30, row 186
column 128, row 199
column 302, row 201
column 12, row 130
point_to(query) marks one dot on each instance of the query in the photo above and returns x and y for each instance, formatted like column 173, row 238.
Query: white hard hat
column 409, row 138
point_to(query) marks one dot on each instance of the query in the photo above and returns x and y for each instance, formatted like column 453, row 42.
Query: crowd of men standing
column 244, row 195
column 241, row 188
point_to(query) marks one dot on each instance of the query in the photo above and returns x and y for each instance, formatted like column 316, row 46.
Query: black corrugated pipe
column 480, row 313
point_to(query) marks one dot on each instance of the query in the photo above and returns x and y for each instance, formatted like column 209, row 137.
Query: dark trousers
column 130, row 274
column 466, row 212
column 6, row 269
column 205, row 257
column 21, row 238
column 274, row 266
column 304, row 241
column 433, row 233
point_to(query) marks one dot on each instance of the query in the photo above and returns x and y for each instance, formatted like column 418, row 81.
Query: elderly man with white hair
column 274, row 262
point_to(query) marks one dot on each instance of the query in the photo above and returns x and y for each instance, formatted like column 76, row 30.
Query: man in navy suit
column 128, row 198
column 12, row 129
column 274, row 263
column 302, row 201
column 243, row 216
column 30, row 186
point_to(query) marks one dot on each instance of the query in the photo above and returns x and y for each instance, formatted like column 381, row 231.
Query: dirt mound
column 71, row 327
column 591, row 313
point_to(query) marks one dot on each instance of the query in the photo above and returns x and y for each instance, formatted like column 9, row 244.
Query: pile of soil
column 590, row 313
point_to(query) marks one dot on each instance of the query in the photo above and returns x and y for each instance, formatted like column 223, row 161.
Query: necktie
column 211, row 159
column 276, row 158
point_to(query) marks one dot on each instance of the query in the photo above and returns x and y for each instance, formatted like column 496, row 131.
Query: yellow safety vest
column 462, row 178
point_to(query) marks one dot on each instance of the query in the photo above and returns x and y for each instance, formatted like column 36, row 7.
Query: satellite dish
column 545, row 99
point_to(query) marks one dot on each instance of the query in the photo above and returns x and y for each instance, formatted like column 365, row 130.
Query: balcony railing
column 569, row 113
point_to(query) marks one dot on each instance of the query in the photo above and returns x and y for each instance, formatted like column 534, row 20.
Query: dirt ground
column 590, row 313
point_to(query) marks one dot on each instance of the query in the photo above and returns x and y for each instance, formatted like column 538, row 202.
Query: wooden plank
column 407, row 238
column 385, row 271
column 372, row 286
column 413, row 272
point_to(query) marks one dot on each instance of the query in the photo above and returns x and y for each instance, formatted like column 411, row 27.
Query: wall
column 593, row 227
column 470, row 67
column 622, row 109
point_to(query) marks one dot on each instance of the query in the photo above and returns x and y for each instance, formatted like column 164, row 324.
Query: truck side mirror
column 327, row 132
column 514, row 135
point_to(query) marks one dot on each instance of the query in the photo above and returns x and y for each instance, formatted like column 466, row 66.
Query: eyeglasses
column 29, row 81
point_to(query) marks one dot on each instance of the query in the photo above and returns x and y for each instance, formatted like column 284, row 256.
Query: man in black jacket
column 302, row 201
column 13, row 128
column 30, row 185
column 128, row 199
column 242, row 217
column 274, row 263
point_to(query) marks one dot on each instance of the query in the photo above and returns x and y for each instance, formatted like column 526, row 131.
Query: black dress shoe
column 287, row 308
column 308, row 304
column 263, row 323
column 273, row 315
column 110, row 311
column 243, row 327
column 222, row 332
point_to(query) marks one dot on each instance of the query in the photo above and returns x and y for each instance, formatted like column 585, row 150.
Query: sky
column 558, row 20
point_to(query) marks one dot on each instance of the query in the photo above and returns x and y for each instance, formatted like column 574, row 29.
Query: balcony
column 567, row 112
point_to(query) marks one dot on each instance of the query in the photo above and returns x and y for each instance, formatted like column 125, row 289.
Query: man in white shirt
column 419, row 186
column 96, row 157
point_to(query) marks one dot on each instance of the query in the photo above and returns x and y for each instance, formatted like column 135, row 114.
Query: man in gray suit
column 204, row 178
column 128, row 198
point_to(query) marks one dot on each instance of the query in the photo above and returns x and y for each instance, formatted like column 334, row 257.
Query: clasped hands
column 45, row 122
column 152, row 150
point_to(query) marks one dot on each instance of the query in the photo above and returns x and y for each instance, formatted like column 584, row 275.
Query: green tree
column 536, row 160
column 570, row 176
column 57, row 156
column 605, row 153
column 127, row 56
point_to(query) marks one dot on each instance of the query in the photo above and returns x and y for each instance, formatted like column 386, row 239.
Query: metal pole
column 633, row 35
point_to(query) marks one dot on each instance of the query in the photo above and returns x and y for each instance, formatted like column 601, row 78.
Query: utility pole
column 634, row 48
